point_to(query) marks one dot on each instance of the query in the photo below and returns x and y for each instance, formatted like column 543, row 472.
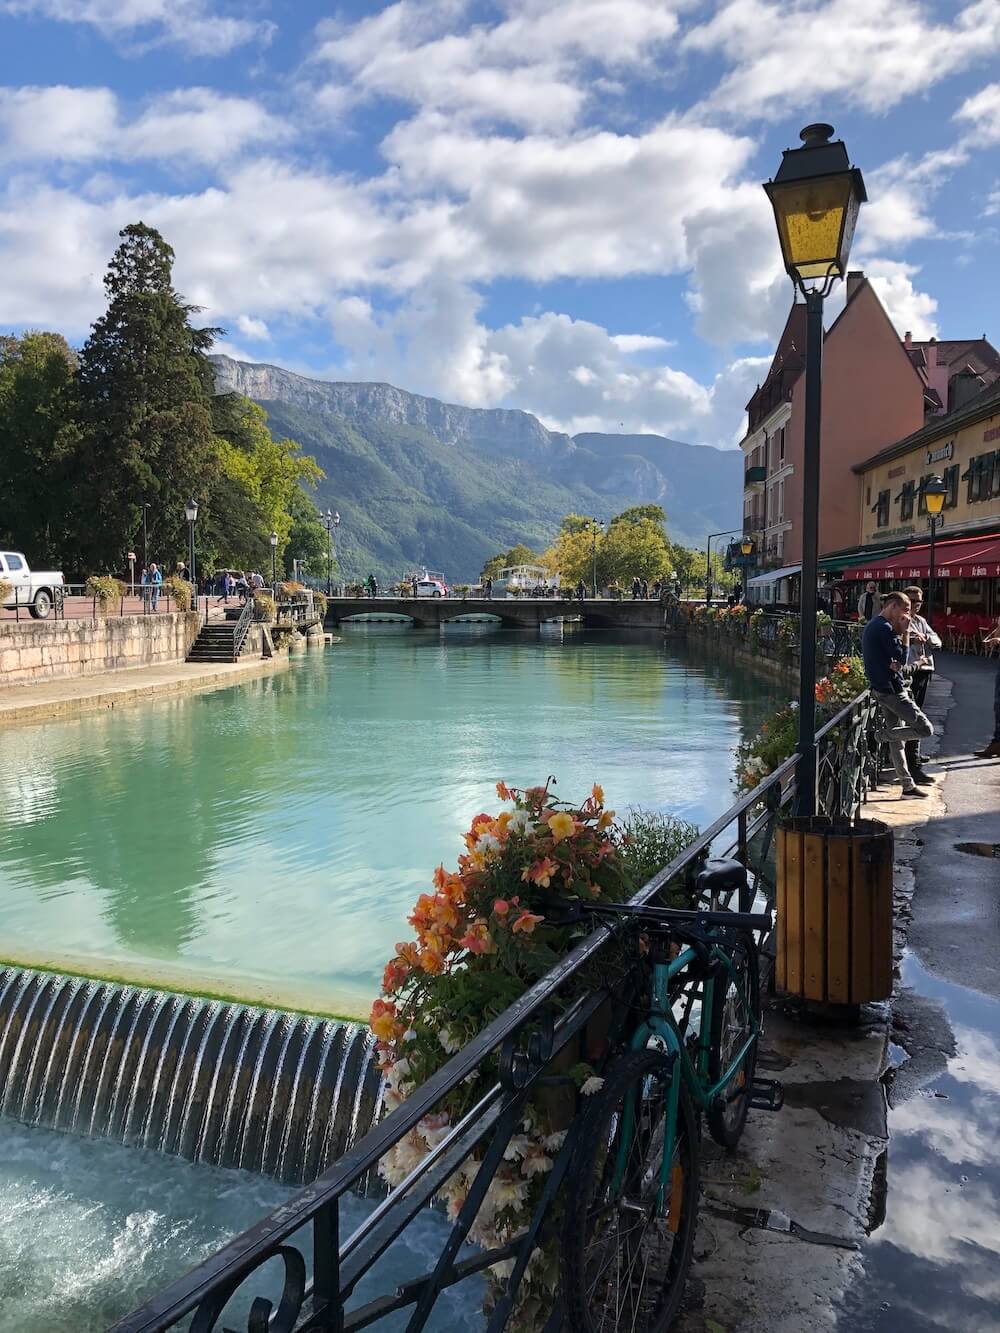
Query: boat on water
column 525, row 581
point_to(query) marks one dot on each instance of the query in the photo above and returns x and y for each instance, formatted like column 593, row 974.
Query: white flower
column 591, row 1086
column 535, row 1163
column 487, row 842
column 519, row 1146
column 399, row 1070
column 520, row 822
column 553, row 1142
column 449, row 1041
column 410, row 1034
column 507, row 1193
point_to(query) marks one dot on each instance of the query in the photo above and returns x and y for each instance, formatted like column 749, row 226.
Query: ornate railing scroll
column 320, row 1269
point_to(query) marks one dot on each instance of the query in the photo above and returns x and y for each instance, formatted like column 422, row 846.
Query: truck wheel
column 42, row 604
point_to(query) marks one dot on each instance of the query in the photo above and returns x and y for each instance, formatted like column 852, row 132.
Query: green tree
column 517, row 555
column 638, row 513
column 39, row 444
column 145, row 390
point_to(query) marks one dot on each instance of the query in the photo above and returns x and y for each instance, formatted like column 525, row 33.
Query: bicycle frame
column 662, row 1025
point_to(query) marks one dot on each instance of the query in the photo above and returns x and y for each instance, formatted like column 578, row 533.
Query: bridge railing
column 304, row 1240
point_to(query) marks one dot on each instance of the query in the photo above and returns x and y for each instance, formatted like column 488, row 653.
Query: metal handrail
column 320, row 1302
column 242, row 627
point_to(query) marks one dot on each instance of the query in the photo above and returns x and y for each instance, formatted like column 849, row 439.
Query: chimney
column 907, row 339
column 930, row 353
column 854, row 280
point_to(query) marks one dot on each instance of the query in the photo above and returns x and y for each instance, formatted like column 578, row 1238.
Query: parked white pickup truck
column 36, row 592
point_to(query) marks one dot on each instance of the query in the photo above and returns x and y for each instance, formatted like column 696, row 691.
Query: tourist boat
column 522, row 580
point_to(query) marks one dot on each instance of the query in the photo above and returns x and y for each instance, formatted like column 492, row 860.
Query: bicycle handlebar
column 681, row 918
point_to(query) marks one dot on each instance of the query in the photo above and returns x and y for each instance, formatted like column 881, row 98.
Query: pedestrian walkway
column 112, row 689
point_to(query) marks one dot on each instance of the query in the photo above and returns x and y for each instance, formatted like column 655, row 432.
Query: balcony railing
column 319, row 1268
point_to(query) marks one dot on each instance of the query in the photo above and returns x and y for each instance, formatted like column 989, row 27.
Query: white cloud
column 982, row 111
column 525, row 70
column 253, row 328
column 907, row 307
column 195, row 25
column 87, row 124
column 872, row 53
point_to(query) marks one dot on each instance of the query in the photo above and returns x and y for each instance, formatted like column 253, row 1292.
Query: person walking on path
column 645, row 590
column 992, row 751
column 884, row 657
column 869, row 603
column 488, row 589
column 636, row 588
column 155, row 579
column 920, row 641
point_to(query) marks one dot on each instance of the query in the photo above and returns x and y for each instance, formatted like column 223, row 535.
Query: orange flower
column 504, row 792
column 526, row 923
column 477, row 939
column 432, row 962
column 597, row 791
column 383, row 1020
column 396, row 972
column 540, row 872
column 561, row 825
column 606, row 819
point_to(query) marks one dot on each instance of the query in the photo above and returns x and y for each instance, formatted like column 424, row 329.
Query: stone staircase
column 215, row 643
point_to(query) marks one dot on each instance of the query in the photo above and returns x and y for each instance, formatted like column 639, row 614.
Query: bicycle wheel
column 622, row 1265
column 736, row 1005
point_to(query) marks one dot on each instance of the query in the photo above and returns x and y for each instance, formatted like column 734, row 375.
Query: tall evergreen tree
column 145, row 389
column 39, row 443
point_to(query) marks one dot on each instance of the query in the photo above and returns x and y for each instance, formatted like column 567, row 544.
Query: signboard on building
column 942, row 453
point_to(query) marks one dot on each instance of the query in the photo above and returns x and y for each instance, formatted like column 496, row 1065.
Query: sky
column 546, row 204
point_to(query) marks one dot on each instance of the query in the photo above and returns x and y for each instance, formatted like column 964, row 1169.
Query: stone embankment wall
column 38, row 650
column 771, row 658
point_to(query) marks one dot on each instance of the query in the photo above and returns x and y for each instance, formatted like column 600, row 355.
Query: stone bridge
column 513, row 612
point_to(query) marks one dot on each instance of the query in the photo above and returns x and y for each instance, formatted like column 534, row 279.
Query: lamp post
column 274, row 564
column 708, row 560
column 191, row 514
column 746, row 549
column 330, row 521
column 145, row 543
column 816, row 196
column 934, row 492
column 598, row 526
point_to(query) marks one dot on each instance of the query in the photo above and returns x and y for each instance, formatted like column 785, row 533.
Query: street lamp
column 598, row 526
column 934, row 492
column 816, row 196
column 145, row 543
column 274, row 564
column 330, row 521
column 746, row 549
column 708, row 560
column 191, row 514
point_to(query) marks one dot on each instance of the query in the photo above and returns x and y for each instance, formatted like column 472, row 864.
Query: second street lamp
column 598, row 526
column 816, row 195
column 933, row 491
column 191, row 514
column 746, row 550
column 274, row 564
column 330, row 521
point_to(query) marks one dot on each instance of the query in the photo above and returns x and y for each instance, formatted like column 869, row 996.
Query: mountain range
column 421, row 482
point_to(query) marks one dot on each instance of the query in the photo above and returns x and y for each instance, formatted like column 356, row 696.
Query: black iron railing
column 320, row 1268
column 834, row 638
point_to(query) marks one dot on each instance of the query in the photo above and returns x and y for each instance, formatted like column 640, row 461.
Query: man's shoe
column 992, row 751
column 923, row 779
column 911, row 792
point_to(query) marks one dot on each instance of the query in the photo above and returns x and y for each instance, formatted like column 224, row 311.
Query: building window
column 906, row 497
column 881, row 509
column 781, row 502
column 950, row 479
column 980, row 476
column 781, row 445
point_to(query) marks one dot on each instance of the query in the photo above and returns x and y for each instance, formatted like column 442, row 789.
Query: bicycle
column 631, row 1203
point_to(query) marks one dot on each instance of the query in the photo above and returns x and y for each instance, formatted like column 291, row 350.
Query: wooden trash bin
column 834, row 904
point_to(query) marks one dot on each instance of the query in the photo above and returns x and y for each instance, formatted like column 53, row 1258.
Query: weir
column 228, row 1084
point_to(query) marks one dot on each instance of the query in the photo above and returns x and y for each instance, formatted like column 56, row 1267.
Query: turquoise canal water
column 278, row 832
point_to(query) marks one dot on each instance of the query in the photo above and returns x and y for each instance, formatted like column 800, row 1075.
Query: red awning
column 968, row 558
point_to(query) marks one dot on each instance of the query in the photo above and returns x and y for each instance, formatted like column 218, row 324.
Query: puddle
column 932, row 1260
column 989, row 849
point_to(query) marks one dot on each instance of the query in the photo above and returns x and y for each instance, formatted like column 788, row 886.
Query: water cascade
column 278, row 1093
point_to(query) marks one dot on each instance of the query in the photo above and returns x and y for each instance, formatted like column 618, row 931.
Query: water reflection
column 283, row 827
column 935, row 1263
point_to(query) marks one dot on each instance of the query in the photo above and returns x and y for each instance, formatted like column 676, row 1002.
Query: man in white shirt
column 869, row 603
column 920, row 640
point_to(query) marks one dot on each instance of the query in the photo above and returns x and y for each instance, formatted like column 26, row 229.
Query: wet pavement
column 932, row 1258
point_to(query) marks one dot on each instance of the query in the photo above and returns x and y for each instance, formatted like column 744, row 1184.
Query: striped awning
column 967, row 558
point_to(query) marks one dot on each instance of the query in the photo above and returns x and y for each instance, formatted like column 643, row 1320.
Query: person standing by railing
column 155, row 579
column 884, row 657
column 919, row 641
column 869, row 602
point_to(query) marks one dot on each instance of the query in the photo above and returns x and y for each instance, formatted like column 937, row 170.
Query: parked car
column 429, row 587
column 36, row 591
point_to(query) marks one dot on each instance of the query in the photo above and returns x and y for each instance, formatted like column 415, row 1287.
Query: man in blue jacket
column 885, row 656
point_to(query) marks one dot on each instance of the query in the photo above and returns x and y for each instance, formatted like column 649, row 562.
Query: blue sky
column 551, row 205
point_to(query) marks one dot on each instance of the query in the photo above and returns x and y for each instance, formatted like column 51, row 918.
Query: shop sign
column 939, row 455
column 992, row 434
